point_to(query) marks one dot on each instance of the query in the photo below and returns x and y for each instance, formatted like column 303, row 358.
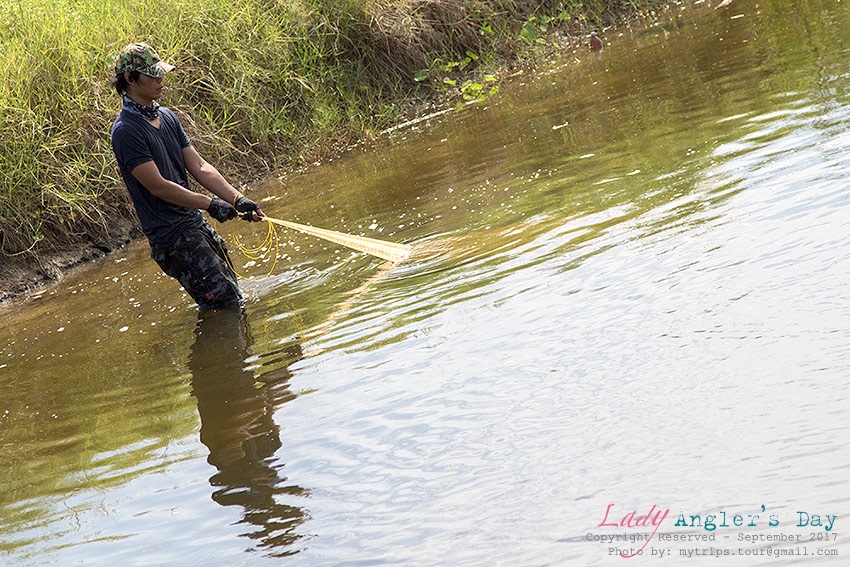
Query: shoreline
column 22, row 274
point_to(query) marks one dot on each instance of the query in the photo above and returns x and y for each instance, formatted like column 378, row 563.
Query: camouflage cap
column 141, row 57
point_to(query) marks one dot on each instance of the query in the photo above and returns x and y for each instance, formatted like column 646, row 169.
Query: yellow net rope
column 258, row 253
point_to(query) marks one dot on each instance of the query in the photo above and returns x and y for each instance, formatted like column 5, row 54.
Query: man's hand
column 221, row 211
column 251, row 209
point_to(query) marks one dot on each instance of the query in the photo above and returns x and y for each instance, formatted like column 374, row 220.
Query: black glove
column 221, row 211
column 245, row 205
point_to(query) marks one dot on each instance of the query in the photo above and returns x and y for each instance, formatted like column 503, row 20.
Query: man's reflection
column 236, row 409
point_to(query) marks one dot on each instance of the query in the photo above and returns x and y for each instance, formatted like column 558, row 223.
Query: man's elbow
column 157, row 188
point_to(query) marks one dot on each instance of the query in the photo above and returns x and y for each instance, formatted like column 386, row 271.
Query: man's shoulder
column 124, row 121
column 167, row 114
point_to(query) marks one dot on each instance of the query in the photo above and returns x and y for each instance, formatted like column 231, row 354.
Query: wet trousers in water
column 200, row 262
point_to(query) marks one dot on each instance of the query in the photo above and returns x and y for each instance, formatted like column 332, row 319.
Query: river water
column 627, row 293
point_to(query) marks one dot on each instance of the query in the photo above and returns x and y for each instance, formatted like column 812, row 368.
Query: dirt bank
column 21, row 274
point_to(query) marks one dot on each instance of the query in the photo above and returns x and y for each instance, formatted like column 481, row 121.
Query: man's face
column 148, row 87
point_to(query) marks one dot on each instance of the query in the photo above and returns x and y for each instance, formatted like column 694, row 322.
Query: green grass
column 261, row 84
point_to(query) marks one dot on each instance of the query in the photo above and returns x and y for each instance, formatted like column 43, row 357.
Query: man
column 154, row 155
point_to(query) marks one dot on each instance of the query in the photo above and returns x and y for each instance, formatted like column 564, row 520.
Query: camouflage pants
column 200, row 262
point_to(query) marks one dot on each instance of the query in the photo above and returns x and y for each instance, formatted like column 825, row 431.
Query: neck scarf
column 148, row 112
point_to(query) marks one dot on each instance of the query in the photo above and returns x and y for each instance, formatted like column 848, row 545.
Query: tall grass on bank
column 260, row 84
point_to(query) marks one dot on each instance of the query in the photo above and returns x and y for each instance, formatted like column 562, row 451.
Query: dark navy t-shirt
column 135, row 141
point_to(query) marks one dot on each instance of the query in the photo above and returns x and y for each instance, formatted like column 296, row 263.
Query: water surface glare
column 628, row 287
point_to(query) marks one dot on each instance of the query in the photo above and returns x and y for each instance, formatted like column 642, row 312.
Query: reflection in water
column 236, row 408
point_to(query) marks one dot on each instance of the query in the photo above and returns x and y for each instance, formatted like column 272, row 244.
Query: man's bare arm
column 149, row 176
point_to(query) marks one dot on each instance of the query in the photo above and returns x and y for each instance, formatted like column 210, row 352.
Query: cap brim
column 162, row 68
